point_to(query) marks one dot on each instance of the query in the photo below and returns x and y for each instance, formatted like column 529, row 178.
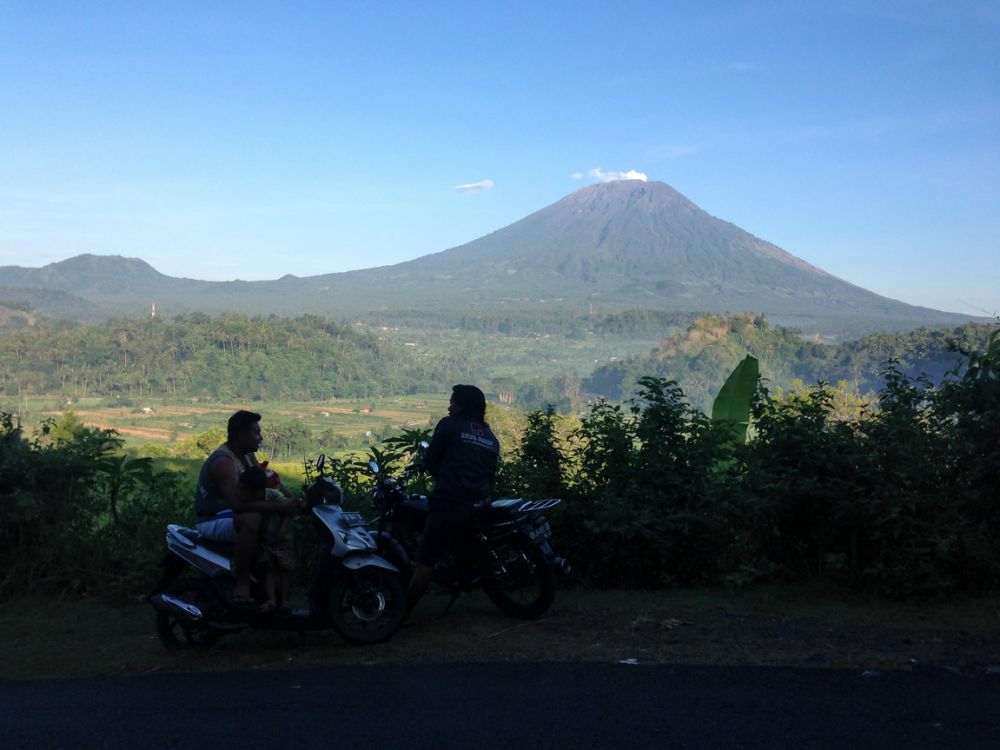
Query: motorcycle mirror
column 320, row 463
column 373, row 466
column 423, row 445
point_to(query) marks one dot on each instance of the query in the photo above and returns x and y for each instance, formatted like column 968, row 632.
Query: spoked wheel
column 367, row 605
column 518, row 579
column 176, row 634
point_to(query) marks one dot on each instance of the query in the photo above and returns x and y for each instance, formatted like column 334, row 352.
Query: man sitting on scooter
column 462, row 458
column 227, row 514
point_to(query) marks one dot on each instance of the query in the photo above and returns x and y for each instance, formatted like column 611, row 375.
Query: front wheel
column 518, row 578
column 367, row 605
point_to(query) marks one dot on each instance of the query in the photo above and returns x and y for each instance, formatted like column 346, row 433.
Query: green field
column 168, row 422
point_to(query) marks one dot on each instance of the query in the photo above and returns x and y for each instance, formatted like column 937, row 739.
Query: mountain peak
column 89, row 263
column 636, row 195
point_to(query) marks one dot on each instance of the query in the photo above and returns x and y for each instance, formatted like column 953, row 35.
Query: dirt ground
column 65, row 639
column 694, row 632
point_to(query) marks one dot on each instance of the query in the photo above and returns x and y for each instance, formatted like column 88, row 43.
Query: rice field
column 166, row 422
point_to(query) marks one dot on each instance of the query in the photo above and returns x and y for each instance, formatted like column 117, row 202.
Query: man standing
column 462, row 458
column 224, row 512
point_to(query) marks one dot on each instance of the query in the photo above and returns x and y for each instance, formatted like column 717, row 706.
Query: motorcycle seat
column 493, row 515
column 508, row 510
column 226, row 549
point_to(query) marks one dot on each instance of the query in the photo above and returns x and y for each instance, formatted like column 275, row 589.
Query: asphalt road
column 517, row 706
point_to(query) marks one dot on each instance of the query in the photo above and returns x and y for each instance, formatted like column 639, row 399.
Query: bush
column 76, row 514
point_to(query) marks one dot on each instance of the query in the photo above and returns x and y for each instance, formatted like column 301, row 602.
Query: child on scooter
column 277, row 580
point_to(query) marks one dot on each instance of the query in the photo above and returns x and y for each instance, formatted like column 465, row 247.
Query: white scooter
column 354, row 590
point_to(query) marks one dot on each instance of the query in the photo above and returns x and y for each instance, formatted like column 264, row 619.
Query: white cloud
column 472, row 187
column 577, row 176
column 603, row 176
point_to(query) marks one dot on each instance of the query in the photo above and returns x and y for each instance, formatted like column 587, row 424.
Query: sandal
column 267, row 608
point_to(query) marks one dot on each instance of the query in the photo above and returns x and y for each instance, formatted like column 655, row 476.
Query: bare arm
column 223, row 473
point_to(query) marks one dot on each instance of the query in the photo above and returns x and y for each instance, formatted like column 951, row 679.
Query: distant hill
column 608, row 247
column 50, row 302
column 91, row 287
column 701, row 357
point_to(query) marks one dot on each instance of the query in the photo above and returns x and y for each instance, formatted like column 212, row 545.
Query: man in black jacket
column 462, row 458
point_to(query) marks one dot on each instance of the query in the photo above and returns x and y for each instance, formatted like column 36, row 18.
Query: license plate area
column 541, row 532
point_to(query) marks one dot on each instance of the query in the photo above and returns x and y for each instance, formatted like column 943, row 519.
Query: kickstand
column 454, row 596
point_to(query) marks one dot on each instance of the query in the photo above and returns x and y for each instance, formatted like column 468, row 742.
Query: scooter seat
column 226, row 549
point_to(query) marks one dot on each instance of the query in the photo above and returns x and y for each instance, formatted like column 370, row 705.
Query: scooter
column 354, row 590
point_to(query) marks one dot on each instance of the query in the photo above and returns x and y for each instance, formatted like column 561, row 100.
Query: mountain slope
column 639, row 244
column 611, row 246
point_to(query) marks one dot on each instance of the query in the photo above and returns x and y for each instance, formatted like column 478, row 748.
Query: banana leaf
column 732, row 405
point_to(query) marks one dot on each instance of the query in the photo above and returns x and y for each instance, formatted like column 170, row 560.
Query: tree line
column 631, row 323
column 228, row 357
column 235, row 357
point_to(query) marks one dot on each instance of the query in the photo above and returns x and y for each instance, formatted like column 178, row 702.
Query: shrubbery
column 902, row 500
column 899, row 498
column 76, row 514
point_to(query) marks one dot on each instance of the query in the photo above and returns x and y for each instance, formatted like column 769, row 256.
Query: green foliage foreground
column 900, row 499
column 76, row 514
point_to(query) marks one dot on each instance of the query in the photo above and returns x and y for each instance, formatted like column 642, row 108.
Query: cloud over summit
column 599, row 174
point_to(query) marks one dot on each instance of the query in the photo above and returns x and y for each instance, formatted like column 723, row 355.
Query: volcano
column 628, row 244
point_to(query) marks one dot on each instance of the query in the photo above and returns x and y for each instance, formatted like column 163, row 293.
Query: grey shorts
column 221, row 527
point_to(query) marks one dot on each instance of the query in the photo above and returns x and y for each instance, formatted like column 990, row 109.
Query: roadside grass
column 765, row 626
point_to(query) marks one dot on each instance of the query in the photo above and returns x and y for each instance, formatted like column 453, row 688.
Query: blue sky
column 249, row 140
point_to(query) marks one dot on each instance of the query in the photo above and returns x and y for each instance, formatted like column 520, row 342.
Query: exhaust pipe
column 563, row 564
column 174, row 607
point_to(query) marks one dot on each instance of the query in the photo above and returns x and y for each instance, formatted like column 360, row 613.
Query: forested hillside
column 520, row 359
column 699, row 357
column 229, row 357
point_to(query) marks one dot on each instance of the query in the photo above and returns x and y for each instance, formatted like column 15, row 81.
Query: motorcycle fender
column 367, row 559
column 392, row 550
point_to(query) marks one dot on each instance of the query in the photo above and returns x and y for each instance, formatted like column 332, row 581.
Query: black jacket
column 462, row 458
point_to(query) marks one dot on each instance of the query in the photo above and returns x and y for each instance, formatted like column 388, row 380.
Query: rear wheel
column 176, row 634
column 518, row 579
column 367, row 605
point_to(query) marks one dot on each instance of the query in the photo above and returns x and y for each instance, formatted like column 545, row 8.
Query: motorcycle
column 505, row 548
column 354, row 590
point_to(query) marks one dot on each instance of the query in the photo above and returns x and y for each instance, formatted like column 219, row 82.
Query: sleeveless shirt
column 207, row 498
